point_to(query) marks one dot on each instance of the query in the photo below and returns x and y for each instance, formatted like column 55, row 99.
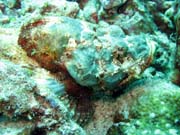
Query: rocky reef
column 89, row 67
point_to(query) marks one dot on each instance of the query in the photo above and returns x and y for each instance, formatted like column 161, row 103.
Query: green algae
column 156, row 112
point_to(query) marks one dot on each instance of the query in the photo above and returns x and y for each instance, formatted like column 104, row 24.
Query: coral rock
column 151, row 109
column 147, row 106
column 30, row 103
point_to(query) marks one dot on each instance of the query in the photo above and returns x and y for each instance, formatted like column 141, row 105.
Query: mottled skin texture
column 90, row 59
column 81, row 94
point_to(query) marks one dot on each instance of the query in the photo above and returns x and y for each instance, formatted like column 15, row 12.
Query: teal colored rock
column 90, row 11
column 162, row 13
column 165, row 53
column 134, row 18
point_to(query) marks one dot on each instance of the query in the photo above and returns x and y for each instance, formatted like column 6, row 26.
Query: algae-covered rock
column 14, row 128
column 164, row 56
column 49, row 7
column 90, row 11
column 136, row 16
column 13, row 11
column 107, row 4
column 162, row 12
column 132, row 16
column 29, row 102
column 16, row 88
column 147, row 106
column 153, row 111
column 10, row 50
column 177, row 22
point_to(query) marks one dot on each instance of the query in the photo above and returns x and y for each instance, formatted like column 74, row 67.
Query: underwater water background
column 89, row 67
